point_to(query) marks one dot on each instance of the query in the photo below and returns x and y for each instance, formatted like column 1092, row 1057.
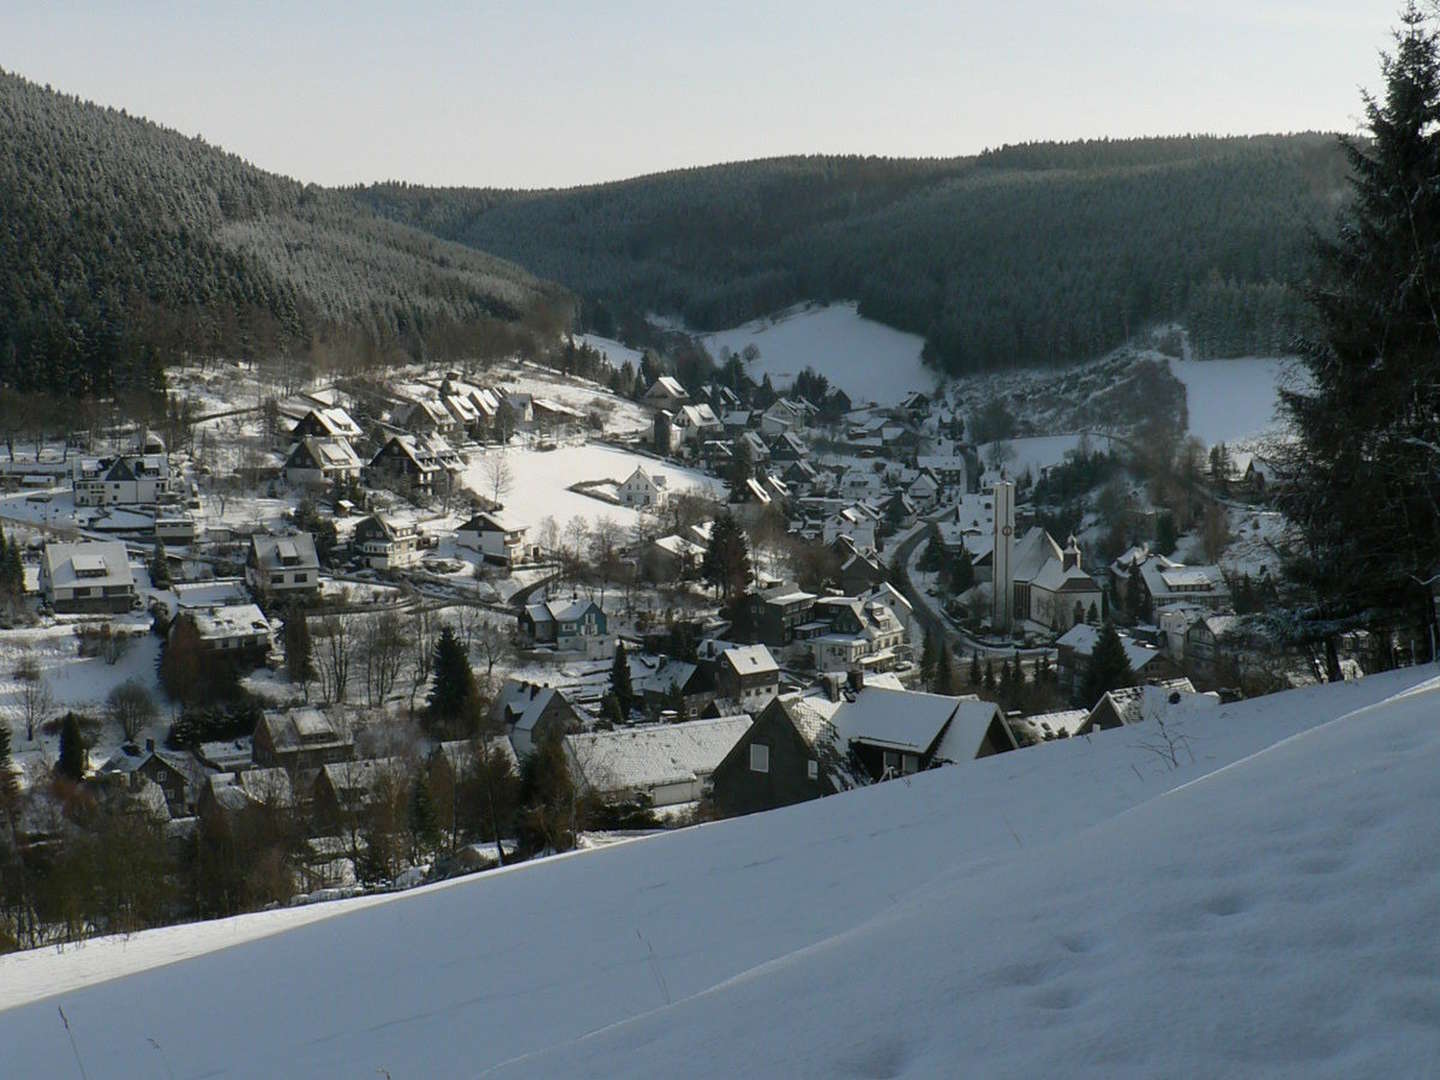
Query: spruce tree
column 9, row 787
column 453, row 704
column 989, row 675
column 421, row 818
column 299, row 652
column 944, row 670
column 929, row 661
column 1362, row 482
column 620, row 679
column 74, row 758
column 159, row 566
column 1108, row 669
column 976, row 675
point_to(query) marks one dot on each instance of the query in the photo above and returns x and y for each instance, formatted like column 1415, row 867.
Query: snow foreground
column 1073, row 908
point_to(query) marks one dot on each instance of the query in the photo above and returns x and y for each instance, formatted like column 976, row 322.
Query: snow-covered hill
column 1232, row 401
column 1076, row 908
column 866, row 359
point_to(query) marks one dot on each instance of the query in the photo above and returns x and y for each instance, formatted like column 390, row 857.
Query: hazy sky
column 532, row 93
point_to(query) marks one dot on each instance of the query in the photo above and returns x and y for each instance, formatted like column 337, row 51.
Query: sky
column 533, row 93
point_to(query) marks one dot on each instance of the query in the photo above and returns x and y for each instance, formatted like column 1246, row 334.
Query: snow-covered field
column 1075, row 908
column 540, row 480
column 1231, row 400
column 866, row 359
column 612, row 350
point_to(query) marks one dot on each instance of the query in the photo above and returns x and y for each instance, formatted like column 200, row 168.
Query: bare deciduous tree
column 498, row 477
column 36, row 700
column 131, row 706
column 332, row 656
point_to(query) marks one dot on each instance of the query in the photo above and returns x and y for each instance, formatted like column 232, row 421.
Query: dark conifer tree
column 1363, row 479
column 453, row 704
column 1108, row 669
column 620, row 686
column 74, row 757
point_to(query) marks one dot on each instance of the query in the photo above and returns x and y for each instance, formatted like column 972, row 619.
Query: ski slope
column 1075, row 908
column 866, row 359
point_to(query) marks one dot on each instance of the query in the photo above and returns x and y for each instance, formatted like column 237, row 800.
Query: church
column 1036, row 581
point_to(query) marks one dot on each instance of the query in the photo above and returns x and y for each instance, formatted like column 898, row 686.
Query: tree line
column 1031, row 255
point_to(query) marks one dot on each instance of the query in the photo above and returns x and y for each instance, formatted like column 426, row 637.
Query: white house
column 127, row 480
column 667, row 391
column 854, row 522
column 641, row 489
column 87, row 577
column 499, row 541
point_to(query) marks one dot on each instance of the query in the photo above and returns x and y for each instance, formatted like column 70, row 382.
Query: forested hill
column 1033, row 254
column 125, row 246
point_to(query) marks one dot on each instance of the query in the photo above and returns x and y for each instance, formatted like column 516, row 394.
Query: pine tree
column 9, row 787
column 929, row 661
column 14, row 569
column 1165, row 534
column 976, row 675
column 421, row 818
column 1363, row 477
column 1108, row 669
column 453, row 704
column 944, row 671
column 620, row 685
column 299, row 653
column 990, row 675
column 74, row 759
column 727, row 557
column 159, row 566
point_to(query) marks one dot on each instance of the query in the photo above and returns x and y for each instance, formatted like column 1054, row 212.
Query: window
column 892, row 761
column 759, row 758
column 813, row 769
column 911, row 764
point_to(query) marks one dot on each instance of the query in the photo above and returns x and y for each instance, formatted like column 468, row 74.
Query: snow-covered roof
column 653, row 755
column 1082, row 638
column 750, row 660
column 899, row 719
column 226, row 621
column 91, row 563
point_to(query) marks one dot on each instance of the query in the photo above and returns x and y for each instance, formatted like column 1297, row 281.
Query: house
column 497, row 539
column 403, row 458
column 1075, row 647
column 176, row 527
column 696, row 424
column 785, row 414
column 948, row 465
column 465, row 414
column 924, row 490
column 787, row 447
column 577, row 625
column 776, row 612
column 1205, row 648
column 801, row 477
column 859, row 483
column 858, row 635
column 790, row 754
column 343, row 790
column 658, row 679
column 539, row 713
column 238, row 632
column 300, row 739
column 426, row 415
column 126, row 480
column 327, row 423
column 671, row 558
column 899, row 511
column 892, row 732
column 1174, row 622
column 283, row 566
column 749, row 675
column 449, row 459
column 1134, row 704
column 642, row 490
column 916, row 404
column 179, row 776
column 1163, row 581
column 663, row 764
column 860, row 570
column 386, row 543
column 315, row 462
column 667, row 392
column 234, row 793
column 89, row 577
column 856, row 521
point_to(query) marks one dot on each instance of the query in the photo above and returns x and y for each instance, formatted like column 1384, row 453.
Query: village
column 390, row 629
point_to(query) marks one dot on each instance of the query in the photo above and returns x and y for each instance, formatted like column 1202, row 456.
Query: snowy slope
column 866, row 359
column 1069, row 908
column 1231, row 400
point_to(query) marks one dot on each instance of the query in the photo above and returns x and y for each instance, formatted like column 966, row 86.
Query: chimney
column 534, row 689
column 149, row 746
column 856, row 680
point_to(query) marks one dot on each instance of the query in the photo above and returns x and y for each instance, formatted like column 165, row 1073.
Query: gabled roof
column 654, row 755
column 750, row 660
column 484, row 521
column 1082, row 638
column 267, row 550
column 104, row 563
column 896, row 719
